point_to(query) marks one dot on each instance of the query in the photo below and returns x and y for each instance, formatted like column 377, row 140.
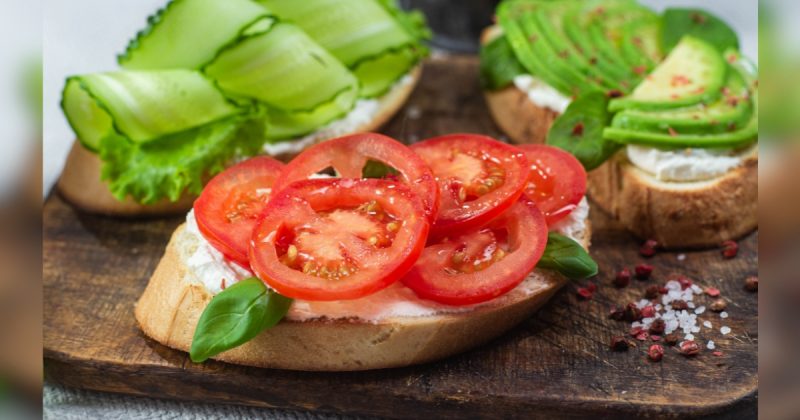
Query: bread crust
column 520, row 119
column 170, row 307
column 80, row 182
column 678, row 214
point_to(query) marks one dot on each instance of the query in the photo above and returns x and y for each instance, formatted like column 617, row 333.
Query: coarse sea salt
column 707, row 324
column 723, row 314
column 700, row 310
column 725, row 330
column 710, row 345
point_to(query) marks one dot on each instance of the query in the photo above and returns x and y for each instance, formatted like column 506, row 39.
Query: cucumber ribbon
column 209, row 81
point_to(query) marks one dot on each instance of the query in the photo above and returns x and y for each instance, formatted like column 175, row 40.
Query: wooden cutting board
column 557, row 363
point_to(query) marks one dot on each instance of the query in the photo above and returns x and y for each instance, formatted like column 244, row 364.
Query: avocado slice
column 693, row 73
column 550, row 21
column 641, row 44
column 730, row 112
column 508, row 15
column 576, row 26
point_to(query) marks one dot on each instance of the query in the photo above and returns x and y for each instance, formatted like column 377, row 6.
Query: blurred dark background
column 456, row 24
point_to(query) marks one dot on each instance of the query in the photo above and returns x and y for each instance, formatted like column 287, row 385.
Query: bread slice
column 678, row 214
column 171, row 305
column 81, row 185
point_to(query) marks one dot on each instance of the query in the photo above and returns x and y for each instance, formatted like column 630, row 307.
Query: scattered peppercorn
column 655, row 337
column 648, row 248
column 751, row 284
column 632, row 313
column 591, row 287
column 730, row 249
column 671, row 339
column 663, row 290
column 712, row 291
column 584, row 293
column 717, row 353
column 616, row 313
column 655, row 352
column 658, row 326
column 679, row 305
column 718, row 305
column 614, row 93
column 643, row 271
column 648, row 311
column 618, row 343
column 652, row 291
column 623, row 278
column 685, row 282
column 689, row 348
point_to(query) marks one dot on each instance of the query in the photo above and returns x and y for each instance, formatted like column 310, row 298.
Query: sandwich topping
column 672, row 87
column 209, row 82
column 356, row 243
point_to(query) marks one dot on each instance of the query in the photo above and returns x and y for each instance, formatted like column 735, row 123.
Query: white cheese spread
column 363, row 113
column 685, row 165
column 208, row 267
column 542, row 94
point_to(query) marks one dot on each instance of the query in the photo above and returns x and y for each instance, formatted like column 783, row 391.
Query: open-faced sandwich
column 664, row 106
column 363, row 253
column 208, row 83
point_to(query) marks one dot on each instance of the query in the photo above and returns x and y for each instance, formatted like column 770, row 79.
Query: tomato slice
column 478, row 178
column 483, row 263
column 334, row 239
column 231, row 203
column 348, row 155
column 557, row 181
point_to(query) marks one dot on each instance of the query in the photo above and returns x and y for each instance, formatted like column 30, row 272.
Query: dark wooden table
column 557, row 363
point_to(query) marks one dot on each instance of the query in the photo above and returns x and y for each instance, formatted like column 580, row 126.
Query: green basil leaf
column 235, row 316
column 579, row 130
column 677, row 22
column 499, row 65
column 568, row 257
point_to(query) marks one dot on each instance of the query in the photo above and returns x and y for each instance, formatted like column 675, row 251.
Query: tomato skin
column 298, row 205
column 557, row 182
column 234, row 187
column 433, row 278
column 348, row 155
column 441, row 154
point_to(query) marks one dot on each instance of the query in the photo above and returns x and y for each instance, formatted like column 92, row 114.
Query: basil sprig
column 235, row 316
column 568, row 257
column 579, row 130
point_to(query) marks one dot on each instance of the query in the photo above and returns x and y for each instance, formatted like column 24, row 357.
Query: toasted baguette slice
column 678, row 214
column 81, row 185
column 170, row 307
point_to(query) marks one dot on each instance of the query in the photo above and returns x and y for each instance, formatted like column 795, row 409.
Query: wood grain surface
column 555, row 364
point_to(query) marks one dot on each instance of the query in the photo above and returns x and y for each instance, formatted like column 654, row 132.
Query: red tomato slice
column 478, row 178
column 348, row 155
column 333, row 239
column 557, row 181
column 483, row 263
column 229, row 206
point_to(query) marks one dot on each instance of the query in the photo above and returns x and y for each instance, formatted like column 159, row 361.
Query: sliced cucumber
column 731, row 111
column 282, row 125
column 142, row 105
column 364, row 36
column 282, row 67
column 188, row 33
column 693, row 73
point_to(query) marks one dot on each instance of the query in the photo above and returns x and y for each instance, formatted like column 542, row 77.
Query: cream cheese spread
column 208, row 267
column 542, row 94
column 364, row 112
column 685, row 165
